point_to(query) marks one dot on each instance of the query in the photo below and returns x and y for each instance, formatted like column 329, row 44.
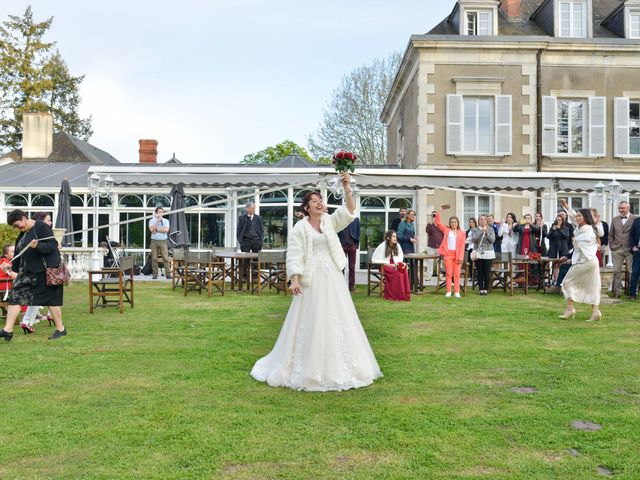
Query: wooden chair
column 375, row 275
column 501, row 274
column 273, row 270
column 177, row 268
column 203, row 272
column 112, row 282
column 520, row 274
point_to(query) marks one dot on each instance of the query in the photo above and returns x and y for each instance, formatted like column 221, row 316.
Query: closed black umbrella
column 178, row 228
column 64, row 218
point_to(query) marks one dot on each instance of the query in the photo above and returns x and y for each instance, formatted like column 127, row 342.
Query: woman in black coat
column 30, row 286
column 559, row 235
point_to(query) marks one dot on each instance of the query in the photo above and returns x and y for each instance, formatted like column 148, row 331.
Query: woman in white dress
column 509, row 237
column 582, row 283
column 322, row 345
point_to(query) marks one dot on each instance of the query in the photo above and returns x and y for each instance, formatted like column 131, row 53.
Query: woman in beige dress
column 582, row 283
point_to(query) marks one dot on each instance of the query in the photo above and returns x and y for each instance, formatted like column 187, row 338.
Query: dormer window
column 479, row 23
column 573, row 18
column 634, row 25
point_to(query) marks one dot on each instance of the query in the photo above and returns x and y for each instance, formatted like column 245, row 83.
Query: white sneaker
column 456, row 295
column 448, row 294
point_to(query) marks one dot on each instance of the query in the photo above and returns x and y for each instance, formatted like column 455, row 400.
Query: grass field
column 163, row 391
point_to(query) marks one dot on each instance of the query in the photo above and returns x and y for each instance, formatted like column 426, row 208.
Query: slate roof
column 528, row 27
column 67, row 148
column 294, row 161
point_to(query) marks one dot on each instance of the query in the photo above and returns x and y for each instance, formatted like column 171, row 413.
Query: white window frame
column 476, row 148
column 500, row 123
column 633, row 17
column 476, row 211
column 476, row 22
column 594, row 126
column 572, row 12
column 573, row 102
column 637, row 102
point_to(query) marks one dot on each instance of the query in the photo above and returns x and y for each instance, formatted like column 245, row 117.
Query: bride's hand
column 345, row 177
column 295, row 287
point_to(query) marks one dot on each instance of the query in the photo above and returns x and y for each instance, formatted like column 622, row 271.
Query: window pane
column 371, row 232
column 16, row 201
column 220, row 201
column 635, row 26
column 471, row 24
column 131, row 234
column 274, row 197
column 103, row 219
column 130, row 201
column 212, row 230
column 275, row 226
column 577, row 116
column 42, row 201
column 76, row 219
column 371, row 202
column 398, row 203
column 154, row 201
column 76, row 200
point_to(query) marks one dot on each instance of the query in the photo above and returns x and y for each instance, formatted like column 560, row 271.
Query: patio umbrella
column 64, row 219
column 178, row 228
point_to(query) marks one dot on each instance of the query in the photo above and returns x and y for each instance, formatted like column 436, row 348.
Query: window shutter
column 503, row 125
column 549, row 125
column 597, row 126
column 455, row 118
column 621, row 127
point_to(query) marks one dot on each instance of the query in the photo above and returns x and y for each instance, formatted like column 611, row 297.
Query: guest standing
column 509, row 237
column 619, row 233
column 434, row 240
column 526, row 236
column 407, row 240
column 482, row 239
column 30, row 286
column 250, row 231
column 350, row 239
column 496, row 230
column 582, row 283
column 452, row 249
column 558, row 237
column 634, row 240
column 402, row 214
column 159, row 228
column 396, row 278
column 540, row 233
column 473, row 224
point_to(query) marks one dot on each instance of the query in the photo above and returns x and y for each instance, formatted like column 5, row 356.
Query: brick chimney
column 148, row 151
column 511, row 9
column 37, row 135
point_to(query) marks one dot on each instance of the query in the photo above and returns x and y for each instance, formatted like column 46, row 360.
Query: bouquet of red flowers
column 344, row 161
column 401, row 266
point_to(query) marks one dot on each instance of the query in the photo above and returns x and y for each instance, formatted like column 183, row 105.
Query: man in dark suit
column 250, row 231
column 619, row 233
column 634, row 242
column 350, row 239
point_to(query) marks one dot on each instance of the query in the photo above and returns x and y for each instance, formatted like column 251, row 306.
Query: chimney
column 37, row 135
column 148, row 151
column 511, row 9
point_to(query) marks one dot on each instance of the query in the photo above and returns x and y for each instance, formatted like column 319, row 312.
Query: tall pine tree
column 35, row 78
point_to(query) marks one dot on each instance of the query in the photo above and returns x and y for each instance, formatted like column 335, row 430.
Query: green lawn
column 163, row 391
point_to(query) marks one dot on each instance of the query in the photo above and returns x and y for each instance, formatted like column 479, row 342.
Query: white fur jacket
column 300, row 244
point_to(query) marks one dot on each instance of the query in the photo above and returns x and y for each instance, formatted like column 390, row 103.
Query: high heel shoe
column 27, row 329
column 595, row 316
column 568, row 313
column 6, row 335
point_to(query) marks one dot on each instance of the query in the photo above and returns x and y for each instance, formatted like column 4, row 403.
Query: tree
column 351, row 118
column 34, row 78
column 274, row 154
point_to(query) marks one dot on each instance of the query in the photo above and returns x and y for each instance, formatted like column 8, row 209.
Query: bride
column 322, row 345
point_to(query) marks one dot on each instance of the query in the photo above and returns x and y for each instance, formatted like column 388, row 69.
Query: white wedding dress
column 322, row 345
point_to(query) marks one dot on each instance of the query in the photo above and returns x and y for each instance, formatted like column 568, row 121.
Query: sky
column 215, row 80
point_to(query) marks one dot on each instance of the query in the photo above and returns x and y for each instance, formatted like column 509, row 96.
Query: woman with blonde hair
column 452, row 250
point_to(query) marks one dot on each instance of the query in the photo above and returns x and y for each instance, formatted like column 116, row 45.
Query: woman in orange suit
column 452, row 249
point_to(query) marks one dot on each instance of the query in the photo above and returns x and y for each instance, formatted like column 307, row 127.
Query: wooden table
column 238, row 263
column 418, row 259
